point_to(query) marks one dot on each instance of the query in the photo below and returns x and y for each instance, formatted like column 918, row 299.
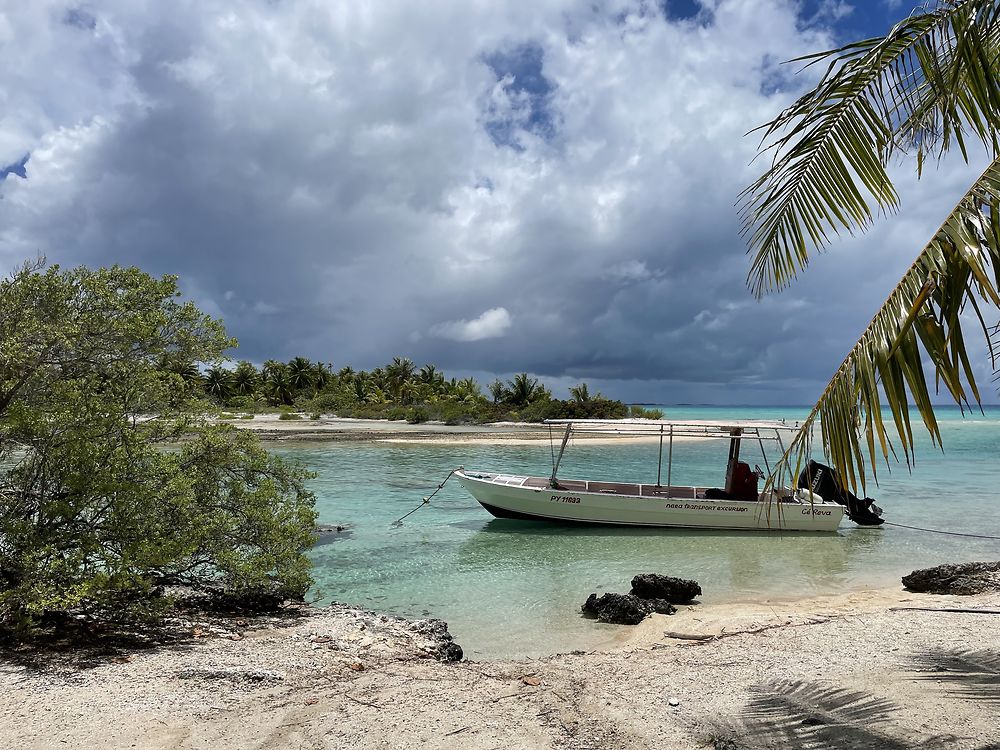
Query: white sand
column 272, row 427
column 295, row 686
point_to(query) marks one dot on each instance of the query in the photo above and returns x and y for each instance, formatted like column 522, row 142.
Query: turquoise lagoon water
column 510, row 588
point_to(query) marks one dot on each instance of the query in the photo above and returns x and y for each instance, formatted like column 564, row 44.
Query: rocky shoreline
column 341, row 677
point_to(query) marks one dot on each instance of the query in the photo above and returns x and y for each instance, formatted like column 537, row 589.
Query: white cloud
column 490, row 325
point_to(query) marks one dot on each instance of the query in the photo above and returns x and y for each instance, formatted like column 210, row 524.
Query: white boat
column 738, row 505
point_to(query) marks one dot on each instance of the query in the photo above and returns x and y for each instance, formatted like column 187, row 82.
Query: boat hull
column 509, row 498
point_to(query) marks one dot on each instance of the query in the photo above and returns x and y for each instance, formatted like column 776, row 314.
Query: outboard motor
column 823, row 481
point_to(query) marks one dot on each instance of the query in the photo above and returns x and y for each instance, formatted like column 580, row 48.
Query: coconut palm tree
column 245, row 379
column 580, row 393
column 468, row 388
column 397, row 373
column 523, row 389
column 932, row 83
column 218, row 383
column 498, row 391
column 300, row 373
column 278, row 386
column 361, row 387
column 322, row 376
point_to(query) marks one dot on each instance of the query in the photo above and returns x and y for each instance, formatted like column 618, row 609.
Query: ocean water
column 514, row 588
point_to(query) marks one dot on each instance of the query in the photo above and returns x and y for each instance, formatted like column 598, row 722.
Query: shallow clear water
column 514, row 588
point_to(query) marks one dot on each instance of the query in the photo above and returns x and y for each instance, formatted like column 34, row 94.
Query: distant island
column 398, row 390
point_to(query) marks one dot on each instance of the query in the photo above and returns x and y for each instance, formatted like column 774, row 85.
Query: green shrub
column 100, row 508
column 457, row 413
column 226, row 415
column 397, row 413
column 416, row 415
column 372, row 411
column 639, row 412
column 289, row 415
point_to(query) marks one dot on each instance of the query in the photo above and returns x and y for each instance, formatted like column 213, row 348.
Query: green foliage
column 94, row 512
column 397, row 391
column 416, row 415
column 395, row 413
column 523, row 390
column 289, row 415
column 639, row 412
column 454, row 413
column 597, row 408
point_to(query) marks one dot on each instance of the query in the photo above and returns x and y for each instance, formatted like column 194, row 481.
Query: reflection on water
column 511, row 587
column 735, row 562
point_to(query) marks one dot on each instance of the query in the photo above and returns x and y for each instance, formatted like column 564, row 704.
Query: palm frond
column 921, row 317
column 930, row 82
column 974, row 675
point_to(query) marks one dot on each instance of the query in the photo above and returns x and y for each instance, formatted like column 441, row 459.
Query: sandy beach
column 271, row 427
column 344, row 678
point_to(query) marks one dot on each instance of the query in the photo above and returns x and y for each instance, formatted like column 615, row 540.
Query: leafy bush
column 289, row 415
column 457, row 413
column 598, row 408
column 95, row 513
column 244, row 403
column 374, row 411
column 416, row 415
column 639, row 412
column 397, row 413
column 330, row 402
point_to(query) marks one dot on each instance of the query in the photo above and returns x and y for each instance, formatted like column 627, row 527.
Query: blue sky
column 491, row 187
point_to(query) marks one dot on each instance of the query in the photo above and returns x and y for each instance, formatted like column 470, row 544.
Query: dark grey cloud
column 494, row 188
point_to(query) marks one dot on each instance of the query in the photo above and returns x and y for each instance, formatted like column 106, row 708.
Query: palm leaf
column 922, row 317
column 930, row 82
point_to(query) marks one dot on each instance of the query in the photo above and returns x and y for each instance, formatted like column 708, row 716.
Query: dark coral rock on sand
column 653, row 586
column 445, row 647
column 966, row 578
column 625, row 609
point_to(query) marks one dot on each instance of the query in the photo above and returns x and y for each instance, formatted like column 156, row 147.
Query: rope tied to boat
column 941, row 531
column 426, row 500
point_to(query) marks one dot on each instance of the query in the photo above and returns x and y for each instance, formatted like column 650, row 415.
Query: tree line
column 397, row 390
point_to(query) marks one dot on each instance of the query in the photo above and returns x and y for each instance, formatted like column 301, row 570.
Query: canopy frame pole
column 562, row 449
column 670, row 458
column 735, row 433
column 659, row 460
column 760, row 441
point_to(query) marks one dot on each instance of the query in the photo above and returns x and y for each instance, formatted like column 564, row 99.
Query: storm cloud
column 491, row 187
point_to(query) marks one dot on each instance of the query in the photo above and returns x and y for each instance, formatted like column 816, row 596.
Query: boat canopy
column 703, row 428
column 735, row 431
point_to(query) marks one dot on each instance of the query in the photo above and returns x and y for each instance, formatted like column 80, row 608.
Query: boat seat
column 571, row 485
column 683, row 493
column 613, row 488
column 536, row 482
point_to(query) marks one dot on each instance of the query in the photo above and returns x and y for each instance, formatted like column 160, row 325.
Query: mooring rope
column 426, row 500
column 941, row 531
